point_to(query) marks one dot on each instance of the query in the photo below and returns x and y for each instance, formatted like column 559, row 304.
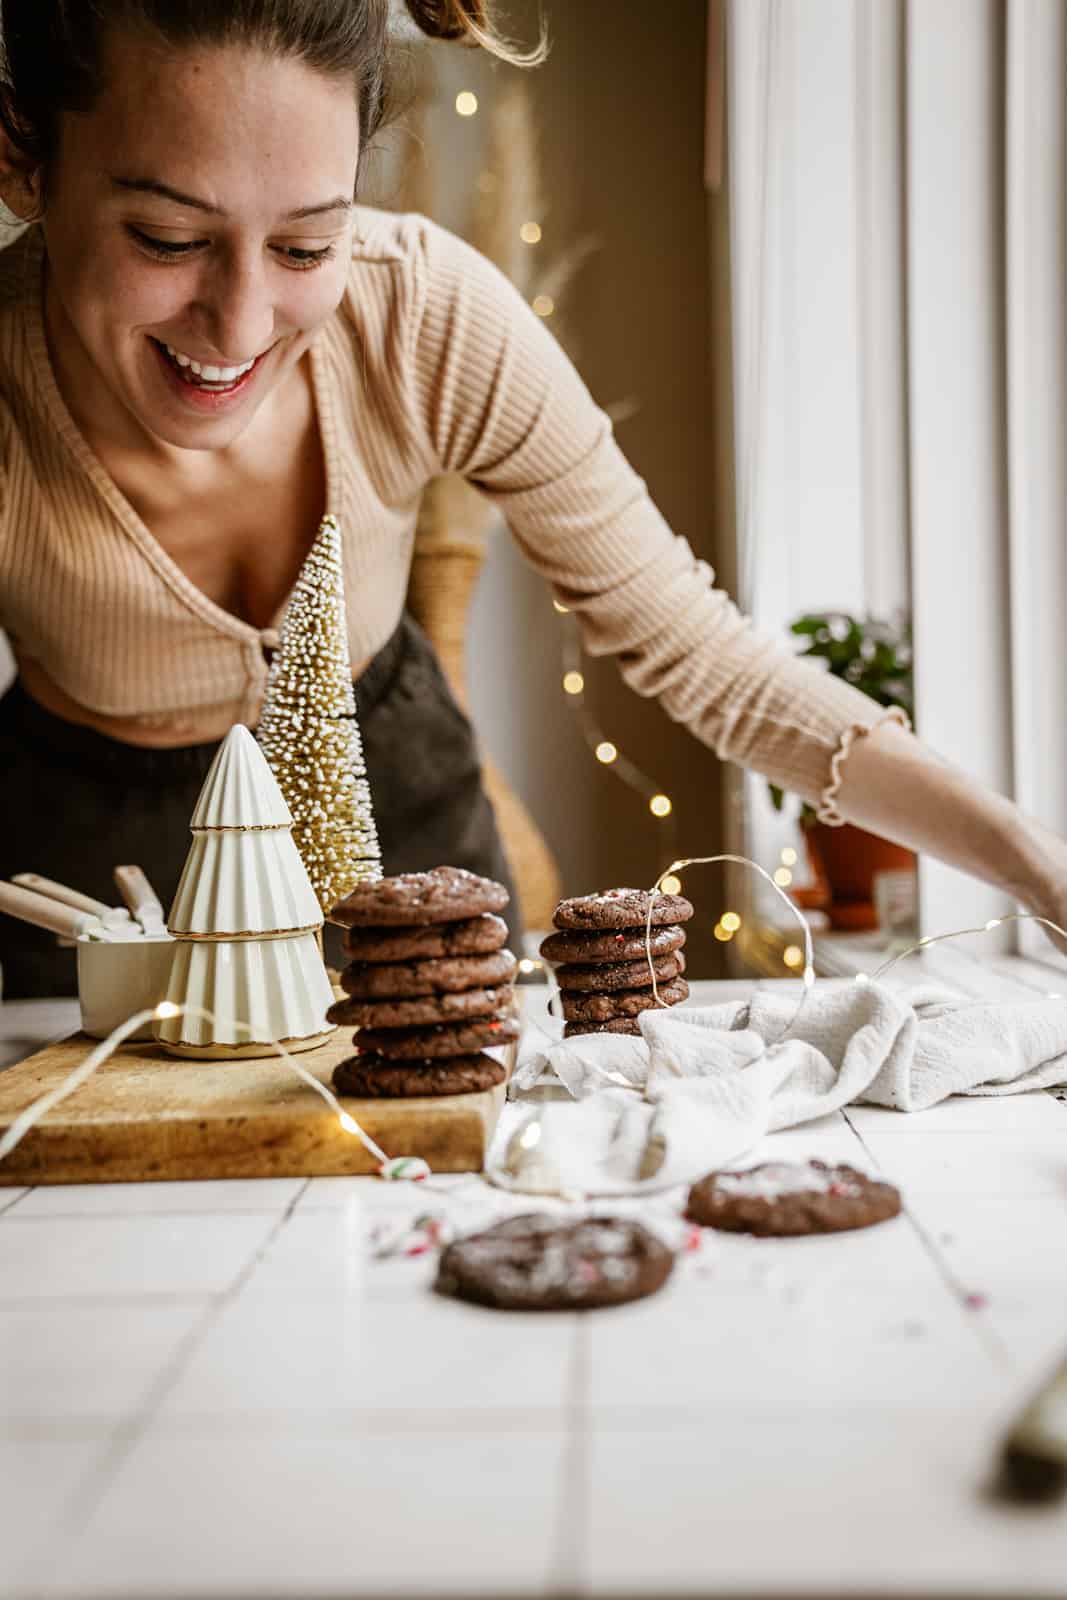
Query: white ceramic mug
column 115, row 980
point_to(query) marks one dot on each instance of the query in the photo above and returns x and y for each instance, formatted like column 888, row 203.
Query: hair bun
column 470, row 22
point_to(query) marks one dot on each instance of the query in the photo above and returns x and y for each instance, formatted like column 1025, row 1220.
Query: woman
column 204, row 346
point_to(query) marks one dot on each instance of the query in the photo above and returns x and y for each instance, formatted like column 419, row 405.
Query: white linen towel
column 702, row 1085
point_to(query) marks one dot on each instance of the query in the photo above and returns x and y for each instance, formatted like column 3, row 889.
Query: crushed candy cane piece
column 411, row 1169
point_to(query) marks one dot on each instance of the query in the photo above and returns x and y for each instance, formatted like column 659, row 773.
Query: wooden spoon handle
column 137, row 892
column 60, row 892
column 45, row 913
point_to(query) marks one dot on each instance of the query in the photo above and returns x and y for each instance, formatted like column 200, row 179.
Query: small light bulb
column 862, row 979
column 793, row 955
column 564, row 611
column 544, row 305
column 783, row 877
column 671, row 884
column 994, row 922
column 530, row 233
column 789, row 856
column 573, row 683
column 660, row 805
column 466, row 103
column 348, row 1123
column 525, row 965
column 606, row 752
column 167, row 1008
column 730, row 920
column 722, row 934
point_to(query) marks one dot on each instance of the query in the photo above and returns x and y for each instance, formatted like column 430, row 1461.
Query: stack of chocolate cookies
column 601, row 958
column 429, row 987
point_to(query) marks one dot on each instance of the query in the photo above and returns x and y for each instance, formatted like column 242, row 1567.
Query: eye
column 164, row 248
column 303, row 259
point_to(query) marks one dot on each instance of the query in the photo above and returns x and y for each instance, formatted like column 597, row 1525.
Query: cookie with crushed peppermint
column 473, row 936
column 574, row 1030
column 395, row 980
column 601, row 976
column 790, row 1198
column 621, row 944
column 439, row 1041
column 536, row 1262
column 410, row 899
column 621, row 908
column 374, row 1078
column 622, row 1002
column 421, row 1011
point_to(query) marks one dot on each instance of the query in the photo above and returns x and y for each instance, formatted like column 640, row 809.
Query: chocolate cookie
column 538, row 1263
column 395, row 980
column 599, row 976
column 621, row 908
column 374, row 1078
column 419, row 1012
column 616, row 1025
column 628, row 944
column 443, row 1040
column 791, row 1197
column 622, row 1003
column 475, row 936
column 444, row 894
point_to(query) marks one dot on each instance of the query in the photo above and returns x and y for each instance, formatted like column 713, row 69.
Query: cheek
column 107, row 289
column 310, row 298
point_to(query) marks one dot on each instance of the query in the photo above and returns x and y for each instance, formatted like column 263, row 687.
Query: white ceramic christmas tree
column 245, row 919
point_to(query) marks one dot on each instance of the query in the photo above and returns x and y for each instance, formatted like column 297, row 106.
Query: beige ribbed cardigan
column 432, row 363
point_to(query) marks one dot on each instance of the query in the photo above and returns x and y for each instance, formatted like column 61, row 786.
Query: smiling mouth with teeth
column 202, row 376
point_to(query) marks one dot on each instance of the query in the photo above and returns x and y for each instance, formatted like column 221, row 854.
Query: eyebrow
column 165, row 192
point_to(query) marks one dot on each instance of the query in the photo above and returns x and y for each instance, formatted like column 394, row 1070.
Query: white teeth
column 209, row 374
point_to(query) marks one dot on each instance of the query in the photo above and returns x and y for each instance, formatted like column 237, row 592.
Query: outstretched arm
column 894, row 785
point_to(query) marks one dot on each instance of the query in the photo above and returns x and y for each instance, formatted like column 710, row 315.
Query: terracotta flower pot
column 844, row 862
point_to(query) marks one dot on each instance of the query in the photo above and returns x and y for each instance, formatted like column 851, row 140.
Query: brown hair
column 52, row 50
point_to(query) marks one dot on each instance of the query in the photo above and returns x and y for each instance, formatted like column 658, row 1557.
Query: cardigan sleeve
column 500, row 403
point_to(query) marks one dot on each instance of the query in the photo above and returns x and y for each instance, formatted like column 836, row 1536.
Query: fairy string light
column 604, row 749
column 807, row 975
column 410, row 1168
column 960, row 933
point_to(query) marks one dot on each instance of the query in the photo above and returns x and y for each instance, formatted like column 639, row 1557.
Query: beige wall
column 621, row 107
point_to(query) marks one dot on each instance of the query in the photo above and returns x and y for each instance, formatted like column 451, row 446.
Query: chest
column 239, row 525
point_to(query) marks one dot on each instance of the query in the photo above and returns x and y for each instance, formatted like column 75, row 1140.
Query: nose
column 236, row 307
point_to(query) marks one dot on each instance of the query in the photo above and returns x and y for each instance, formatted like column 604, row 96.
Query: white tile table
column 209, row 1389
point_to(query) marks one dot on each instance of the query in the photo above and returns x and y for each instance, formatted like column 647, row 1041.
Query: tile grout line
column 13, row 1202
column 90, row 1492
column 571, row 1539
column 991, row 1341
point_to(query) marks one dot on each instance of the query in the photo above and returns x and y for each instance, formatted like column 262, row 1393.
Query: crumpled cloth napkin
column 702, row 1085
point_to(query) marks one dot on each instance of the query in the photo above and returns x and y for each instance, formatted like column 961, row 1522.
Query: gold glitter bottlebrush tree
column 309, row 733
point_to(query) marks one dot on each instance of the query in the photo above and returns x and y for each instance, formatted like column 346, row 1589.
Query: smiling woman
column 206, row 344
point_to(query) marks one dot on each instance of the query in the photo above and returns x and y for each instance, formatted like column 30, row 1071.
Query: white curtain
column 897, row 177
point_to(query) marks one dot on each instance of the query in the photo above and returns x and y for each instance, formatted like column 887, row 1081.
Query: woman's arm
column 894, row 785
column 502, row 404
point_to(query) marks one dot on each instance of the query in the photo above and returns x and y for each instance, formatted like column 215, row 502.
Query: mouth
column 202, row 379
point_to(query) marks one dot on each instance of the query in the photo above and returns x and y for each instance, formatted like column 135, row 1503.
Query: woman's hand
column 894, row 785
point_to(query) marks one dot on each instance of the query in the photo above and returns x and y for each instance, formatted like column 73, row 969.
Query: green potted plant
column 875, row 657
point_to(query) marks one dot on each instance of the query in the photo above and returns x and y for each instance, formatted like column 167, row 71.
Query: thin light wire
column 105, row 1050
column 622, row 768
column 958, row 933
column 808, row 975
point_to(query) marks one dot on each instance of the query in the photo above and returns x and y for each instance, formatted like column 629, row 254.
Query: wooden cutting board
column 147, row 1116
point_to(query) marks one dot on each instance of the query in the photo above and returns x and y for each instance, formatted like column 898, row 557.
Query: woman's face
column 199, row 214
